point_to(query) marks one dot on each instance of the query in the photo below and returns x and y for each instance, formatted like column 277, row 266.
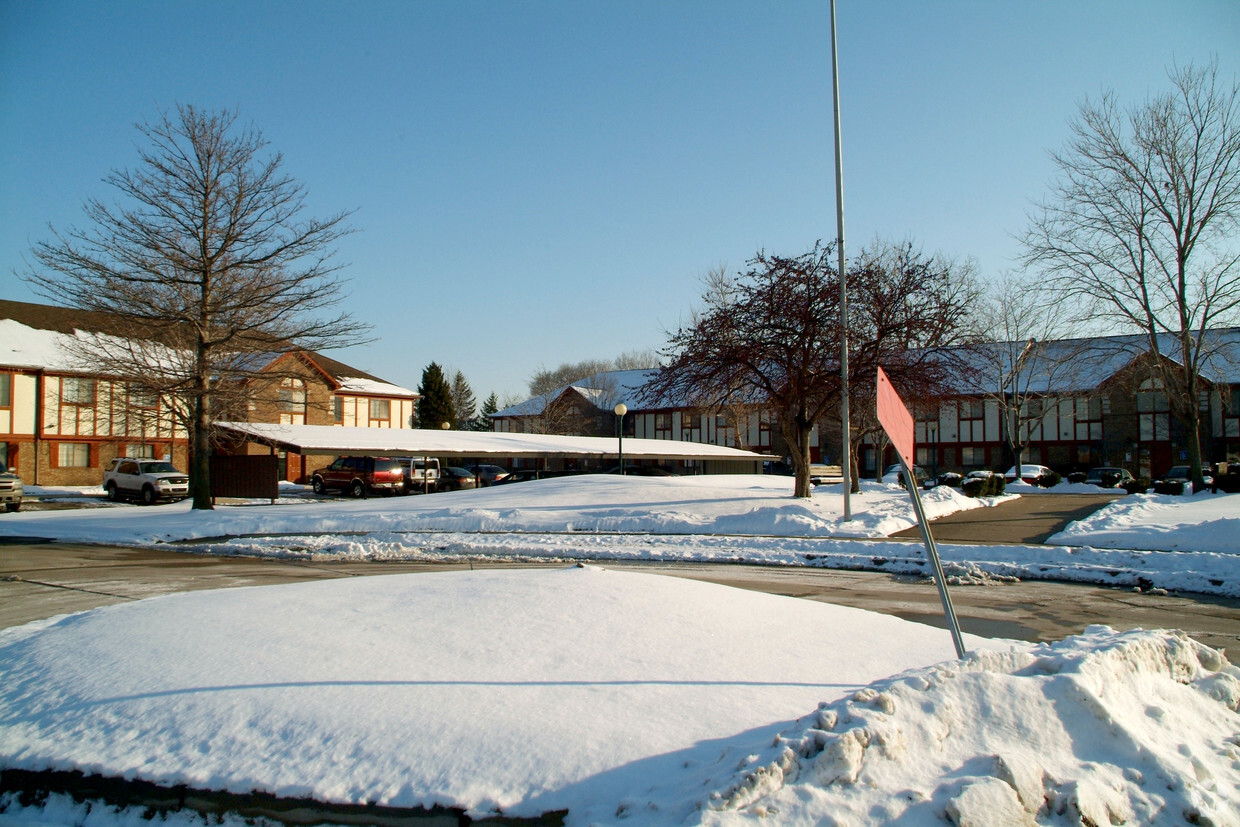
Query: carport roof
column 338, row 440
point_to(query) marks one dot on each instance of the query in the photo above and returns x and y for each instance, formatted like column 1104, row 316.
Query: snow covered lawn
column 750, row 519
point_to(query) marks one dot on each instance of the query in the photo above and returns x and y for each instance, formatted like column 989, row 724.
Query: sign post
column 898, row 423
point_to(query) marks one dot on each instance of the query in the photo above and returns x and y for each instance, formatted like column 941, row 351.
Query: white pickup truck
column 148, row 480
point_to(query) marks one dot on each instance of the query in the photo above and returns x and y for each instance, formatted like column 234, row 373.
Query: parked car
column 148, row 480
column 11, row 490
column 1183, row 473
column 1108, row 476
column 421, row 475
column 360, row 475
column 520, row 475
column 643, row 471
column 1028, row 473
column 454, row 478
column 488, row 474
column 892, row 474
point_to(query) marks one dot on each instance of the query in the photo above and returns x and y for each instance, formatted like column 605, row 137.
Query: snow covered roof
column 1084, row 364
column 337, row 440
column 40, row 337
column 604, row 390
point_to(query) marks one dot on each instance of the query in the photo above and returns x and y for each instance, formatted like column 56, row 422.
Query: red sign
column 895, row 419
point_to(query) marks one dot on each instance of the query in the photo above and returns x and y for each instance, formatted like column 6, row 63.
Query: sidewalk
column 1029, row 519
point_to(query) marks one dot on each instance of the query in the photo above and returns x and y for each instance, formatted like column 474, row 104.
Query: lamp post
column 621, row 409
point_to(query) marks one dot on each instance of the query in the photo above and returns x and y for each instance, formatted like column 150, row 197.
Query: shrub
column 1140, row 485
column 1077, row 476
column 1169, row 487
column 1109, row 479
column 1049, row 480
column 951, row 479
column 991, row 486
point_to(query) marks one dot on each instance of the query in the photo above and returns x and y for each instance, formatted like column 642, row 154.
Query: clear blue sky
column 543, row 182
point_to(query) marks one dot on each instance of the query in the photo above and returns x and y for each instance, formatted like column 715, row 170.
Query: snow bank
column 1104, row 728
column 520, row 691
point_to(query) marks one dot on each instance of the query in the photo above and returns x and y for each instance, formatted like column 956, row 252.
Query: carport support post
column 932, row 552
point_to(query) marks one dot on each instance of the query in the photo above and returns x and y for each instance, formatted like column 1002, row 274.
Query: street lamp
column 621, row 409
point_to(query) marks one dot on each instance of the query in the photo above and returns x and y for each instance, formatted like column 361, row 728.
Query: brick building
column 61, row 422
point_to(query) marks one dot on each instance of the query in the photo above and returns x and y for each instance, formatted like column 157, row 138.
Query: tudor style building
column 1101, row 405
column 61, row 422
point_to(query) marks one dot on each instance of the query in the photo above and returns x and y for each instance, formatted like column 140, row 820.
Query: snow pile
column 1105, row 728
column 519, row 692
column 1161, row 521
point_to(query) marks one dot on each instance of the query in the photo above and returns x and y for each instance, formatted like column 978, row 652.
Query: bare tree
column 769, row 336
column 208, row 266
column 1141, row 225
column 907, row 311
column 1023, row 355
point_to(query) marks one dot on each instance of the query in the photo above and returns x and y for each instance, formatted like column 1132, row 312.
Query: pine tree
column 463, row 402
column 435, row 399
column 483, row 421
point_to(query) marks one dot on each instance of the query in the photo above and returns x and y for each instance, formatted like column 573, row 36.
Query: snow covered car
column 1108, row 477
column 1028, row 473
column 11, row 490
column 148, row 480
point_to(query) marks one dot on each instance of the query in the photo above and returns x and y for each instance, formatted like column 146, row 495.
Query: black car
column 453, row 478
column 488, row 474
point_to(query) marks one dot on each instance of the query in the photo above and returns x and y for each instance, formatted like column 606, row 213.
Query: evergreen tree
column 483, row 421
column 435, row 399
column 463, row 402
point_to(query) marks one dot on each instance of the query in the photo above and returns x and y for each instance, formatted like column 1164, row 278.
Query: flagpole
column 846, row 449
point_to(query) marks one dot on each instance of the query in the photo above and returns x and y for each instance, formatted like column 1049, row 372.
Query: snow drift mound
column 1104, row 728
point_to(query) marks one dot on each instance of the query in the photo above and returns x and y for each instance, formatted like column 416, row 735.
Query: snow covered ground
column 742, row 518
column 624, row 697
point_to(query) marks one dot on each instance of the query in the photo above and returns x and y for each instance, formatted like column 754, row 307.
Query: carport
column 335, row 440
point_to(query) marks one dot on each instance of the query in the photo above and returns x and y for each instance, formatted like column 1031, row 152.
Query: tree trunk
column 200, row 459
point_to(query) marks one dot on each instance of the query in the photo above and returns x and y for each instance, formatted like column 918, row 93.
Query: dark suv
column 360, row 475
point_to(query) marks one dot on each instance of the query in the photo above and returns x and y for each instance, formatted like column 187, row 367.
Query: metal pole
column 621, row 409
column 932, row 552
column 846, row 452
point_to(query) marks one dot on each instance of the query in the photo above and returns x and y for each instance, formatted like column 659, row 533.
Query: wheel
column 317, row 485
column 358, row 489
column 148, row 495
column 11, row 507
column 113, row 496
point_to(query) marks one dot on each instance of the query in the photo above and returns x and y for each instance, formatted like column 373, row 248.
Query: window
column 972, row 456
column 143, row 398
column 663, row 426
column 140, row 451
column 73, row 455
column 6, row 390
column 292, row 396
column 337, row 409
column 381, row 409
column 75, row 390
column 688, row 421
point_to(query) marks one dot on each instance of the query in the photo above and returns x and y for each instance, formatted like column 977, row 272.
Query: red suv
column 360, row 475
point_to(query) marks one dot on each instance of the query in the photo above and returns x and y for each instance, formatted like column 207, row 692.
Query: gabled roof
column 1066, row 366
column 603, row 390
column 34, row 336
